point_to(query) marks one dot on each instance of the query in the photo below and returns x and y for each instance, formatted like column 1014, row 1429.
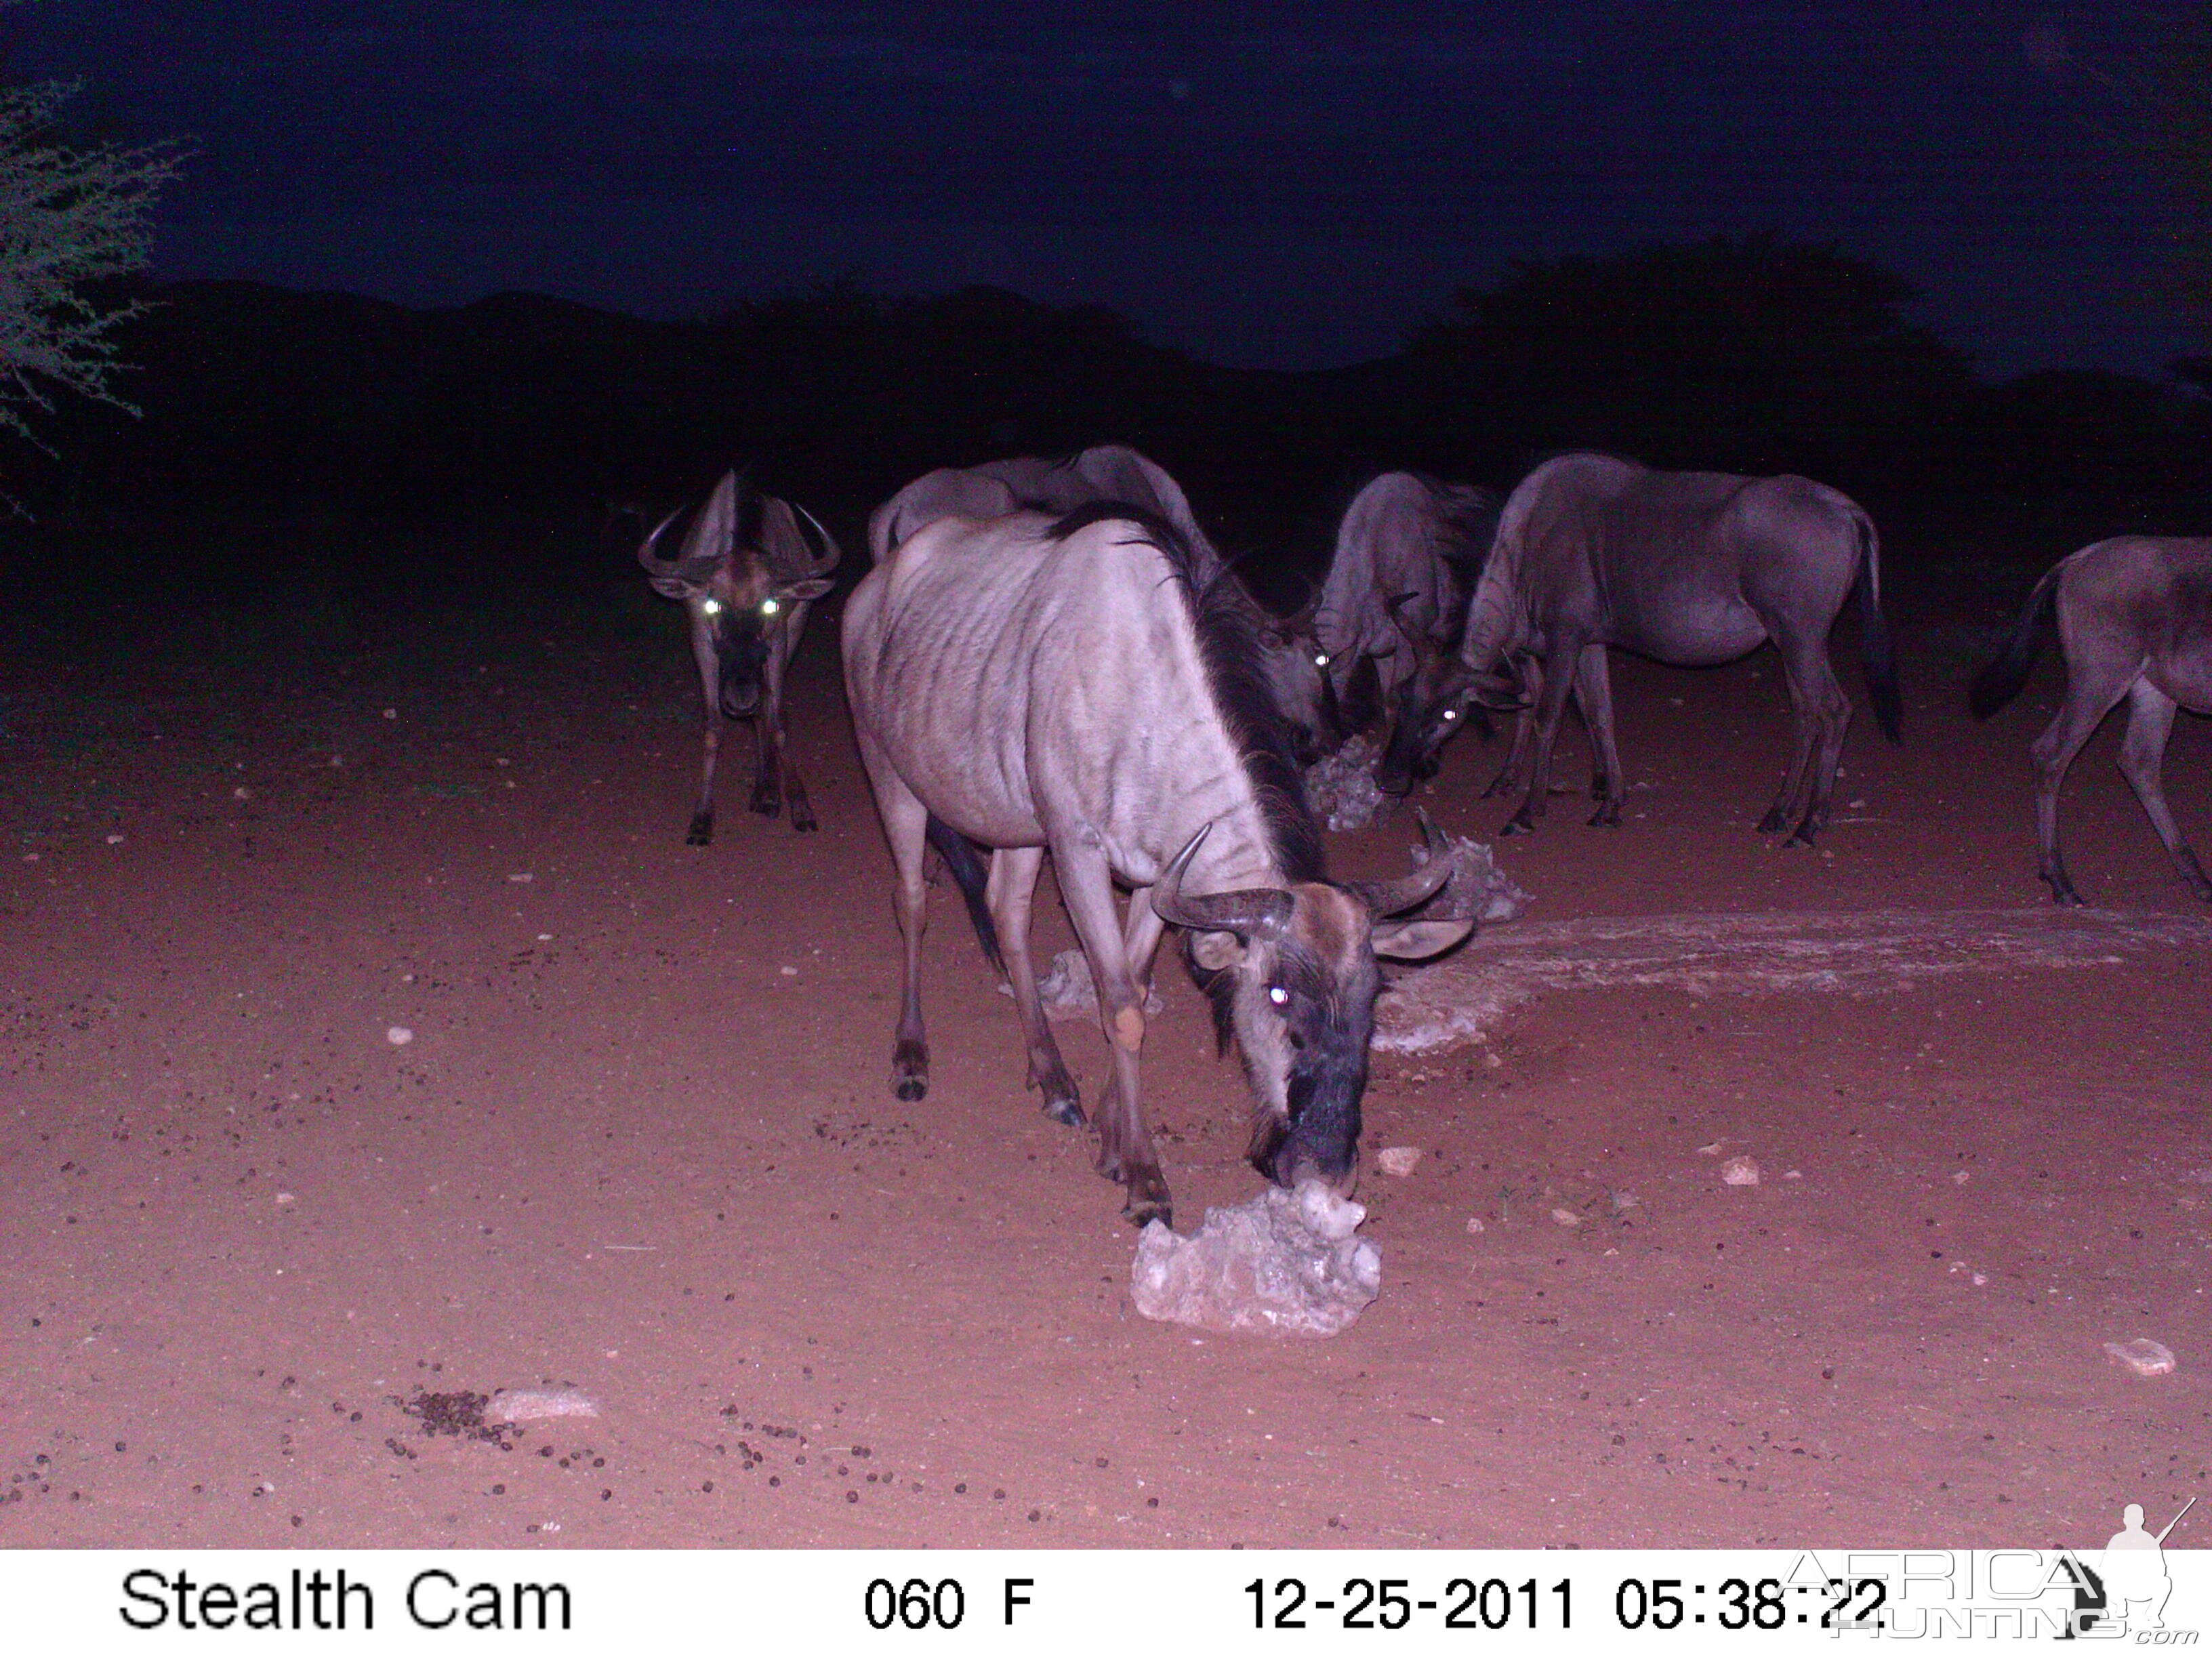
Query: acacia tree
column 70, row 219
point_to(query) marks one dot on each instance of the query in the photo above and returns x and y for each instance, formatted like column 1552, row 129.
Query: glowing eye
column 769, row 607
column 1278, row 996
column 713, row 607
column 1451, row 714
column 1320, row 659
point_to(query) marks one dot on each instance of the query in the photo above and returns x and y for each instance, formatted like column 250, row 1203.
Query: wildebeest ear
column 812, row 588
column 673, row 587
column 1415, row 941
column 1216, row 951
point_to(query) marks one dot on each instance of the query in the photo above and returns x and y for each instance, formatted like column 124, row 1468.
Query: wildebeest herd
column 1049, row 657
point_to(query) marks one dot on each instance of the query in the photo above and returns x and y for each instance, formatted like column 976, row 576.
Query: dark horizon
column 1296, row 189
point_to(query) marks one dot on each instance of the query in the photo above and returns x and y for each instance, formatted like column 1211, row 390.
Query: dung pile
column 1285, row 1263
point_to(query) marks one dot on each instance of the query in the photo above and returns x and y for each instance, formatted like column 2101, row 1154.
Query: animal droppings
column 528, row 1405
column 1398, row 1160
column 1283, row 1264
column 1739, row 1172
column 398, row 1036
column 2142, row 1356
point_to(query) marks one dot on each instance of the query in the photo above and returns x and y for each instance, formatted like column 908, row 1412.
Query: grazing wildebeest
column 2135, row 621
column 1689, row 568
column 747, row 573
column 1391, row 608
column 1031, row 686
column 1116, row 473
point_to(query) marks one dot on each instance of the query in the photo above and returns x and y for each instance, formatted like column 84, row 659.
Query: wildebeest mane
column 1225, row 622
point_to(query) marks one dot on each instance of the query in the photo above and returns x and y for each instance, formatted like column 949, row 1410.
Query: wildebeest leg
column 768, row 762
column 701, row 832
column 1823, row 714
column 906, row 827
column 1594, row 691
column 1551, row 706
column 2090, row 696
column 1012, row 885
column 802, row 811
column 2142, row 759
column 1525, row 734
column 1125, row 1145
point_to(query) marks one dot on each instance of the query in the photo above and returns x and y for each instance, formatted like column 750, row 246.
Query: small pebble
column 1474, row 1224
column 286, row 1198
column 1961, row 1178
column 523, row 876
column 1566, row 1218
column 2142, row 1356
column 115, row 841
column 241, row 793
column 1739, row 1172
column 398, row 1036
column 1398, row 1160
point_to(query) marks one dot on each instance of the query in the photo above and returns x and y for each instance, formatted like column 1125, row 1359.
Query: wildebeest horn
column 1425, row 650
column 696, row 568
column 1389, row 898
column 1253, row 911
column 831, row 553
column 646, row 554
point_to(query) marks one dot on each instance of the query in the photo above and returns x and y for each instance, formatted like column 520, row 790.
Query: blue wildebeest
column 746, row 571
column 1688, row 568
column 1030, row 685
column 1116, row 473
column 2135, row 620
column 1390, row 610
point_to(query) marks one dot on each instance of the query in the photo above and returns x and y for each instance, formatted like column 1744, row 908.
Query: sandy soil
column 642, row 1143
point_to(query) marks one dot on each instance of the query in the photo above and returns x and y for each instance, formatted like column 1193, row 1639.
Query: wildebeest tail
column 2000, row 683
column 966, row 864
column 1876, row 651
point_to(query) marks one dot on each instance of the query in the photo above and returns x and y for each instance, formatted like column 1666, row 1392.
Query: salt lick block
column 1283, row 1263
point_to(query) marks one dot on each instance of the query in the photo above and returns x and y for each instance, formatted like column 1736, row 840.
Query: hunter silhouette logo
column 2136, row 1583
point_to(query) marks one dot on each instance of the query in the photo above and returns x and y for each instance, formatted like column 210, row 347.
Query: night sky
column 1291, row 185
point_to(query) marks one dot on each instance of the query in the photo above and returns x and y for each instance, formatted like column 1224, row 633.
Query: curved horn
column 832, row 553
column 651, row 561
column 1425, row 651
column 1391, row 898
column 1254, row 910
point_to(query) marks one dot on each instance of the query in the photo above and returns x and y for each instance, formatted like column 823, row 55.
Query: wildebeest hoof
column 767, row 803
column 1519, row 824
column 1142, row 1210
column 1774, row 823
column 2062, row 891
column 1065, row 1108
column 802, row 820
column 701, row 832
column 910, row 1088
column 1607, row 816
column 1803, row 838
column 1503, row 784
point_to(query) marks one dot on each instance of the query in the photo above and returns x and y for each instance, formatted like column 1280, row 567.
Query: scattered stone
column 398, row 1036
column 1067, row 992
column 2142, row 1356
column 115, row 841
column 522, row 876
column 1342, row 786
column 1283, row 1263
column 1398, row 1160
column 284, row 1199
column 1475, row 1224
column 1961, row 1178
column 1711, row 1149
column 1477, row 887
column 1739, row 1172
column 1565, row 1216
column 241, row 793
column 529, row 1405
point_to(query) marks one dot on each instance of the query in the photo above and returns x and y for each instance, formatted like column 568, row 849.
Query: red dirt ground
column 643, row 1142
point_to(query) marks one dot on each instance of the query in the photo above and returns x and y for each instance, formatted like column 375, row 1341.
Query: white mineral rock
column 1282, row 1263
column 1398, row 1160
column 1739, row 1172
column 2142, row 1356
